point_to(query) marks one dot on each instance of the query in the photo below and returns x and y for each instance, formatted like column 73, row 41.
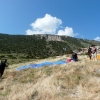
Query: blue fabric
column 41, row 65
column 24, row 67
column 59, row 62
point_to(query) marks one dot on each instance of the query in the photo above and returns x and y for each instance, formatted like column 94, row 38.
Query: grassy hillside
column 19, row 48
column 27, row 47
column 72, row 81
column 77, row 43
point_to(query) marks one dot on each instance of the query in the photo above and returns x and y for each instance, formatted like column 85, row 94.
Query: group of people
column 92, row 52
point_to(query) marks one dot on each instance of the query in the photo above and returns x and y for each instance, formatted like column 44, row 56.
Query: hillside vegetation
column 19, row 48
column 30, row 47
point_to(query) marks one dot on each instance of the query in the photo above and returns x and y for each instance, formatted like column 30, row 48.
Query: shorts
column 94, row 55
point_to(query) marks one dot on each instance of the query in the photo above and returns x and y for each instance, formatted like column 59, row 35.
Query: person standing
column 94, row 52
column 89, row 52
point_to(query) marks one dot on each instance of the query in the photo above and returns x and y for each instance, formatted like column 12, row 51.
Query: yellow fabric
column 98, row 56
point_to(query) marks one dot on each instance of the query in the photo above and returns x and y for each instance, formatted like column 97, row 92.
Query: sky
column 75, row 18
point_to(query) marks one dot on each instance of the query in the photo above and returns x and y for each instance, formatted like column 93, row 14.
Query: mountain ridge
column 40, row 46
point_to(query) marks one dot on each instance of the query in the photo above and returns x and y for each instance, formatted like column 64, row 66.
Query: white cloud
column 68, row 31
column 97, row 38
column 45, row 25
column 49, row 25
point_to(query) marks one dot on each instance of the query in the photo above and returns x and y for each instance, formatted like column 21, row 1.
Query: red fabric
column 69, row 60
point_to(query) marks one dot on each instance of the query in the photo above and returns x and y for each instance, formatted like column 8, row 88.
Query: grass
column 73, row 81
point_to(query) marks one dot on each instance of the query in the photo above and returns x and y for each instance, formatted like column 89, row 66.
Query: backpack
column 89, row 50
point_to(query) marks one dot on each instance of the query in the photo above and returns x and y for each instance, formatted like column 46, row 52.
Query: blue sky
column 76, row 18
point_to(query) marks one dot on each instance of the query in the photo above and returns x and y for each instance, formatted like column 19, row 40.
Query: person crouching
column 74, row 56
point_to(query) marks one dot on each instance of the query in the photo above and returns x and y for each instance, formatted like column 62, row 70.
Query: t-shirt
column 93, row 50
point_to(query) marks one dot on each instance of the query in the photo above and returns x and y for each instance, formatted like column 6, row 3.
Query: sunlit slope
column 71, row 81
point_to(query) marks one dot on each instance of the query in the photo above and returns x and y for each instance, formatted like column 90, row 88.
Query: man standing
column 89, row 52
column 94, row 52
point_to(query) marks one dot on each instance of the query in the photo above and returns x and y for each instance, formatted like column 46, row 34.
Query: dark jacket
column 2, row 67
column 89, row 51
column 74, row 56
